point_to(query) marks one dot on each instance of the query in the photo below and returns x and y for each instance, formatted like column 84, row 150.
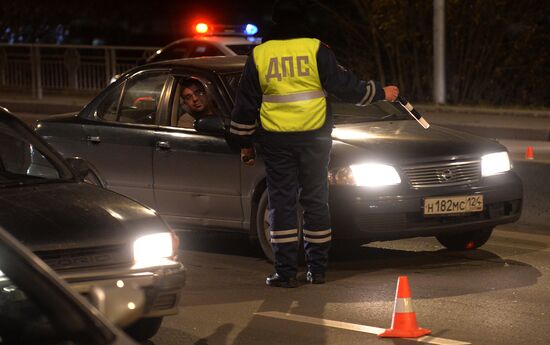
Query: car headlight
column 151, row 248
column 368, row 174
column 495, row 163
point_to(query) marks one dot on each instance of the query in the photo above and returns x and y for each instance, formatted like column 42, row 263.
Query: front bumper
column 397, row 212
column 162, row 283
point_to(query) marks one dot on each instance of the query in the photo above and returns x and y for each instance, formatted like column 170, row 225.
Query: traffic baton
column 413, row 112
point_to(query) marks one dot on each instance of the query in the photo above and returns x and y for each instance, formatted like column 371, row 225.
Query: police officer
column 281, row 104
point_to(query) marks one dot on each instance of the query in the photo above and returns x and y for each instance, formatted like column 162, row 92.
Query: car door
column 196, row 175
column 121, row 135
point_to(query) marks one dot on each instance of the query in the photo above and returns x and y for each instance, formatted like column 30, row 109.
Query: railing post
column 72, row 64
column 36, row 72
column 113, row 63
column 3, row 66
column 108, row 67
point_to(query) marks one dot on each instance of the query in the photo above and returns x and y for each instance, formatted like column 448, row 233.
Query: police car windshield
column 378, row 111
column 241, row 49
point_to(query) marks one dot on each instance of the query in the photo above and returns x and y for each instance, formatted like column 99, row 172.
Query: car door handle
column 94, row 139
column 163, row 145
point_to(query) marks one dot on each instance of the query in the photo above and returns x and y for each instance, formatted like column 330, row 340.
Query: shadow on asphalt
column 220, row 243
column 474, row 270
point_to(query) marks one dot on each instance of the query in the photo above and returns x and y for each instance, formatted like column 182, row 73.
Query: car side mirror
column 80, row 167
column 84, row 171
column 121, row 303
column 210, row 125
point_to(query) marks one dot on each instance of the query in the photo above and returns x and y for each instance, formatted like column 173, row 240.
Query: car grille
column 65, row 259
column 443, row 174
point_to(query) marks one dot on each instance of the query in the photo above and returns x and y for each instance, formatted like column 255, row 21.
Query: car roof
column 226, row 40
column 215, row 64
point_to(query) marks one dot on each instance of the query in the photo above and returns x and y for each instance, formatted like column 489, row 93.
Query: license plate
column 453, row 204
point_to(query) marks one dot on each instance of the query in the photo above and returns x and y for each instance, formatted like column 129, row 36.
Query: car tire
column 467, row 240
column 144, row 329
column 262, row 229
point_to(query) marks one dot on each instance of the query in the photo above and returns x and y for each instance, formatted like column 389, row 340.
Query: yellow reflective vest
column 293, row 98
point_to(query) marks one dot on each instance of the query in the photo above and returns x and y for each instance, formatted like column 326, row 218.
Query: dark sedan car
column 89, row 235
column 36, row 307
column 389, row 178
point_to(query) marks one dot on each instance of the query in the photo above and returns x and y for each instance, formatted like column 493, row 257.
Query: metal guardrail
column 64, row 68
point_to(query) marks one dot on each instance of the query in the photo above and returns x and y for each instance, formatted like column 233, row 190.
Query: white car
column 223, row 41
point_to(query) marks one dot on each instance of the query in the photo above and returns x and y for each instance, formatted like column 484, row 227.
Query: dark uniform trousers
column 298, row 172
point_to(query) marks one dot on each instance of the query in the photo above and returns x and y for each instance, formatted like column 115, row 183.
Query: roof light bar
column 250, row 29
column 201, row 28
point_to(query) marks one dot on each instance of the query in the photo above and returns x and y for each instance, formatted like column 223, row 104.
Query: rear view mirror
column 121, row 303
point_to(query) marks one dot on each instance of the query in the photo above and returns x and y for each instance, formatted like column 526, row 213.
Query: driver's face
column 195, row 98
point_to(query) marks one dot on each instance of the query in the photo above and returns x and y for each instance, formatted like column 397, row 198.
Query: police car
column 211, row 40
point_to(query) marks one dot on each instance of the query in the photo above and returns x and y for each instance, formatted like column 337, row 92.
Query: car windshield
column 378, row 111
column 22, row 163
column 241, row 49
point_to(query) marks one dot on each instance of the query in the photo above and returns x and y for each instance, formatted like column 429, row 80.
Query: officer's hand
column 248, row 157
column 391, row 92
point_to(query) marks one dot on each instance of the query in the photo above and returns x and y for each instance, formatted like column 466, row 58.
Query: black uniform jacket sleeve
column 247, row 104
column 334, row 78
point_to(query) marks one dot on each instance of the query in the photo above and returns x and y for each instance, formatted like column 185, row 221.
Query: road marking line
column 353, row 327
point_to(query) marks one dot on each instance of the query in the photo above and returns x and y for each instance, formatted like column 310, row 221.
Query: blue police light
column 250, row 29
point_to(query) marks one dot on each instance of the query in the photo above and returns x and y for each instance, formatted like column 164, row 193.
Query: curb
column 522, row 113
column 502, row 132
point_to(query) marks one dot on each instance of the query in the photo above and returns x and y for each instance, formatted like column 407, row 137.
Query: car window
column 241, row 49
column 139, row 101
column 231, row 81
column 205, row 49
column 193, row 98
column 21, row 162
column 176, row 51
column 107, row 109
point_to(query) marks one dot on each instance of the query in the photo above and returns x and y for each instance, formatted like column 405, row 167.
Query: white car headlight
column 495, row 163
column 151, row 248
column 368, row 175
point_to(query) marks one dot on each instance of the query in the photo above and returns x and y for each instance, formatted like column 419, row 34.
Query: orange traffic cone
column 403, row 323
column 529, row 154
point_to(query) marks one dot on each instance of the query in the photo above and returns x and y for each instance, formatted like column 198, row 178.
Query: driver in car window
column 194, row 103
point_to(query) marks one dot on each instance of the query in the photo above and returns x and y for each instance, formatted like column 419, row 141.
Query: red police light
column 201, row 28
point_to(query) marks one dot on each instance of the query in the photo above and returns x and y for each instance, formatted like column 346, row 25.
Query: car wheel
column 262, row 229
column 144, row 329
column 467, row 240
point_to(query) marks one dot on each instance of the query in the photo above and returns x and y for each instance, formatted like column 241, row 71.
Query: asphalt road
column 499, row 294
